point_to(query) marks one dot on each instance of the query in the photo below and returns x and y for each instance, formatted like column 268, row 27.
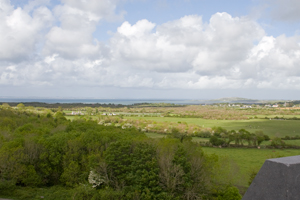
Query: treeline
column 222, row 137
column 241, row 138
column 297, row 137
column 65, row 105
column 157, row 105
column 283, row 118
column 53, row 158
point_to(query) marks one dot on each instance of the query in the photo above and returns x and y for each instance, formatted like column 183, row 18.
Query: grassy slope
column 249, row 159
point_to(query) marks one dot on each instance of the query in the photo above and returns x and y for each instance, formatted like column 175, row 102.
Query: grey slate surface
column 278, row 179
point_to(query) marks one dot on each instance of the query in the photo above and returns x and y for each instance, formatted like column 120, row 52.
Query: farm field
column 273, row 128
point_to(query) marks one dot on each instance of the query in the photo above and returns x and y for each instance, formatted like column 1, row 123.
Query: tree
column 259, row 137
column 267, row 138
column 216, row 141
column 231, row 193
column 245, row 135
column 5, row 105
column 277, row 142
column 59, row 109
column 21, row 106
column 219, row 130
column 237, row 138
column 231, row 136
column 30, row 177
column 71, row 174
column 89, row 110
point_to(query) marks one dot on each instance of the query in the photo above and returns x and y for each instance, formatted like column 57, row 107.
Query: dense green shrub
column 214, row 140
column 276, row 142
column 231, row 193
column 50, row 156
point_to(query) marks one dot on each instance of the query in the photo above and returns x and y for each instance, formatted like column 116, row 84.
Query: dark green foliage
column 7, row 186
column 203, row 134
column 218, row 130
column 277, row 142
column 214, row 140
column 297, row 137
column 53, row 157
column 260, row 137
column 223, row 137
column 133, row 167
column 231, row 193
column 267, row 138
column 181, row 136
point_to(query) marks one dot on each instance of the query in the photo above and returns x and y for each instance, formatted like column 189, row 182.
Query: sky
column 150, row 49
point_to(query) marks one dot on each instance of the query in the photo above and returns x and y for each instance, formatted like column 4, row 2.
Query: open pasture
column 249, row 160
column 273, row 128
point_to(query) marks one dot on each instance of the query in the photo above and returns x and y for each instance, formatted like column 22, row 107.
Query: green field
column 273, row 128
column 249, row 159
column 246, row 159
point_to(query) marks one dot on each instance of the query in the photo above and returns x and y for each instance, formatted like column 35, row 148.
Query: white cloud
column 187, row 44
column 20, row 32
column 142, row 47
column 224, row 53
column 78, row 21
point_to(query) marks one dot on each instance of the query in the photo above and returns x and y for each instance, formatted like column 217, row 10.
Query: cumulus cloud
column 78, row 20
column 227, row 52
column 57, row 47
column 142, row 47
column 187, row 44
column 228, row 42
column 20, row 31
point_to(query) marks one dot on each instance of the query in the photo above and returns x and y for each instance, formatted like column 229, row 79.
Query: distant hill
column 237, row 100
